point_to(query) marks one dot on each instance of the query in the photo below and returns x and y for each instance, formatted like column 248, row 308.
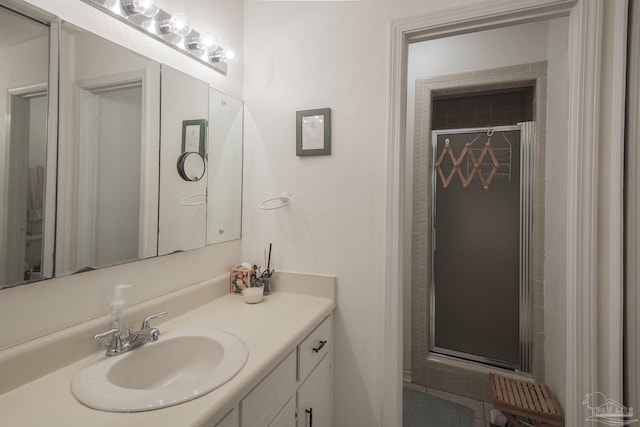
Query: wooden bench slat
column 525, row 397
column 534, row 403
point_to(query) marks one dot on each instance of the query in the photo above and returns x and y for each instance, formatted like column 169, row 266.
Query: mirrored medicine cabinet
column 89, row 153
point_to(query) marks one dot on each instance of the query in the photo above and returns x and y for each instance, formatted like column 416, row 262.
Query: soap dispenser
column 118, row 309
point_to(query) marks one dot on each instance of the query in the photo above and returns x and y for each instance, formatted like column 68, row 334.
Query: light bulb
column 229, row 53
column 147, row 8
column 206, row 42
column 178, row 24
column 223, row 55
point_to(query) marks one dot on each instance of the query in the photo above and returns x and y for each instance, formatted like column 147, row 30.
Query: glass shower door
column 476, row 292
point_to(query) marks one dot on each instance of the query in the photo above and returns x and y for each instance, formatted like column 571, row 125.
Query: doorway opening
column 110, row 178
column 478, row 277
column 27, row 158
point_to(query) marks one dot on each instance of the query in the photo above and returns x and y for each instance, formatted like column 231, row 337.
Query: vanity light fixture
column 171, row 29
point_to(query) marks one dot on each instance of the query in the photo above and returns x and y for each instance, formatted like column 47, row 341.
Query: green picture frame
column 313, row 132
column 194, row 135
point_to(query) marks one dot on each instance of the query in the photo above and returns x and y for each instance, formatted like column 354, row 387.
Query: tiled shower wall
column 488, row 108
column 467, row 379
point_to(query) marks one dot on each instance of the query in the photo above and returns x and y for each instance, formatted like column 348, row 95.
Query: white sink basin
column 182, row 365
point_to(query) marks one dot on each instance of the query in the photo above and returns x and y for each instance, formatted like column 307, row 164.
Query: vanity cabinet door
column 265, row 401
column 232, row 419
column 287, row 416
column 315, row 401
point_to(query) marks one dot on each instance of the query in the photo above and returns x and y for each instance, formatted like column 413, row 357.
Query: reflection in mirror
column 224, row 192
column 24, row 75
column 109, row 154
column 183, row 209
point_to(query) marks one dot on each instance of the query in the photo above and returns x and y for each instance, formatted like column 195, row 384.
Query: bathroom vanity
column 286, row 381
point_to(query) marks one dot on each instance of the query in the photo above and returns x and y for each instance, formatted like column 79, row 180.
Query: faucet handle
column 145, row 322
column 116, row 339
column 114, row 332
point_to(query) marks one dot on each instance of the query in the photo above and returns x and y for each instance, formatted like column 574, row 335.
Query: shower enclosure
column 480, row 292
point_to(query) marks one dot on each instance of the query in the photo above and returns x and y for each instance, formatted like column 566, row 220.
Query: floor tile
column 475, row 405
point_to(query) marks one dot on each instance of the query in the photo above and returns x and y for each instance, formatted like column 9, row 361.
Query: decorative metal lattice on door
column 484, row 165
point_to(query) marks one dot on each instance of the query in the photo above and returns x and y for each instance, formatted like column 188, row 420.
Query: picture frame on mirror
column 194, row 134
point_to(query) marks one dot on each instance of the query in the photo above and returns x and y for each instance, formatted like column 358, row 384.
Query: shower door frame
column 525, row 309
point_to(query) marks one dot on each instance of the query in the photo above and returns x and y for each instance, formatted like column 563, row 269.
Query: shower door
column 480, row 301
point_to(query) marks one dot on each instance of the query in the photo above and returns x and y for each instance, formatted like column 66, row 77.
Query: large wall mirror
column 116, row 195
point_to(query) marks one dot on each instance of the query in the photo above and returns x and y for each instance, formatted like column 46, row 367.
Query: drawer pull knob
column 319, row 347
column 310, row 412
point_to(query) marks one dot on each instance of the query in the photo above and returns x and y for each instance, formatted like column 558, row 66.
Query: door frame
column 88, row 114
column 593, row 357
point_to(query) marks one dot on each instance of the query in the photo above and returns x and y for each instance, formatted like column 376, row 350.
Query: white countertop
column 270, row 329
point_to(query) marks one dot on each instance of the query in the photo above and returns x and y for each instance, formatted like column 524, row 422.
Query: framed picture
column 313, row 132
column 194, row 133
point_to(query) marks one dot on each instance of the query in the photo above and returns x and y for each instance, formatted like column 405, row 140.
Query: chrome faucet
column 120, row 344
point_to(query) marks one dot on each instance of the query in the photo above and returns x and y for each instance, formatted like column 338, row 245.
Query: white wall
column 307, row 55
column 69, row 300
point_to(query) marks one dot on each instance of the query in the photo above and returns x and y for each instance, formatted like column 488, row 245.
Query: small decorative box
column 240, row 279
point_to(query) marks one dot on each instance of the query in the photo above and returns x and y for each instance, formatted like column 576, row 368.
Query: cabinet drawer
column 262, row 404
column 314, row 347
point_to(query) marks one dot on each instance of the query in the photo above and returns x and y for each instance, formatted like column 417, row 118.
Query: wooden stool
column 525, row 399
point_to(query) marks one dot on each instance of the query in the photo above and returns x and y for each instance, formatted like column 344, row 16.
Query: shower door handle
column 310, row 412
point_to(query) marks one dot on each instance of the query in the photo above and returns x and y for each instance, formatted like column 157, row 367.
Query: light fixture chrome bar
column 157, row 27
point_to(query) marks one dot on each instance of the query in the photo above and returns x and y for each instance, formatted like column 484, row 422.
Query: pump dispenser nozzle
column 118, row 309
